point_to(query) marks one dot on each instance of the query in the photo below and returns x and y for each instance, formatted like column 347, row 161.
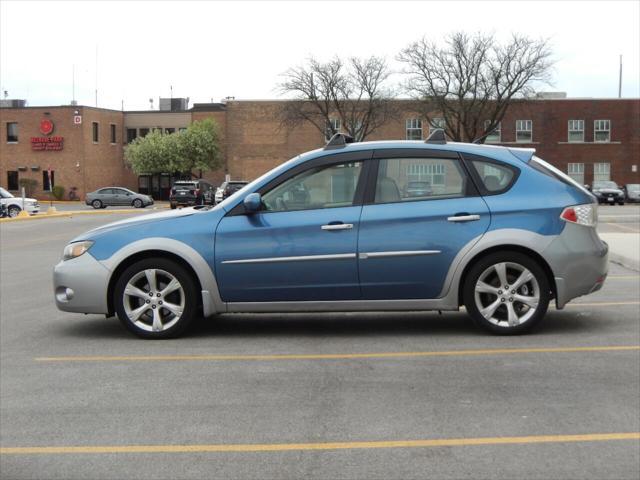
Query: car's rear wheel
column 96, row 204
column 14, row 211
column 155, row 298
column 506, row 293
column 137, row 203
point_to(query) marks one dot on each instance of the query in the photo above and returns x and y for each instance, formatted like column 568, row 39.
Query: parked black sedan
column 607, row 191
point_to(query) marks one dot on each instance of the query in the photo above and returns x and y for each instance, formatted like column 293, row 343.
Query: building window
column 602, row 131
column 132, row 133
column 495, row 136
column 112, row 132
column 524, row 131
column 576, row 132
column 437, row 122
column 46, row 186
column 601, row 171
column 334, row 125
column 96, row 132
column 144, row 132
column 433, row 173
column 12, row 132
column 12, row 180
column 169, row 130
column 576, row 171
column 414, row 129
column 182, row 129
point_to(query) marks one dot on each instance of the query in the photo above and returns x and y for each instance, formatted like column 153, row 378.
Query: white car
column 14, row 205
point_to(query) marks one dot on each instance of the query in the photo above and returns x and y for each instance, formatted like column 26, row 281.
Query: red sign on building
column 47, row 143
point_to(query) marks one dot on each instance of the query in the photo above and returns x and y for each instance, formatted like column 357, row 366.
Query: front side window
column 12, row 132
column 495, row 136
column 323, row 187
column 496, row 178
column 576, row 171
column 601, row 171
column 408, row 179
column 96, row 132
column 576, row 131
column 524, row 131
column 414, row 129
column 602, row 131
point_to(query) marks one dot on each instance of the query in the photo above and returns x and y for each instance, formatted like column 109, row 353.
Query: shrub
column 29, row 185
column 58, row 192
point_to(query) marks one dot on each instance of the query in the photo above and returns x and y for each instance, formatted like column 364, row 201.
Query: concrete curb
column 70, row 214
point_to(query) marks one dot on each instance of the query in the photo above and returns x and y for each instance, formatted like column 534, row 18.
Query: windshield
column 4, row 193
column 604, row 184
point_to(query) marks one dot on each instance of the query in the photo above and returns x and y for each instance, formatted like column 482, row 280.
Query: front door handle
column 464, row 218
column 337, row 226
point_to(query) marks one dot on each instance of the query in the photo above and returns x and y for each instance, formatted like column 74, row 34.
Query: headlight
column 76, row 249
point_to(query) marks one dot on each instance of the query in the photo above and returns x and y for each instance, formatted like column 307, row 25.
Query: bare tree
column 471, row 80
column 355, row 93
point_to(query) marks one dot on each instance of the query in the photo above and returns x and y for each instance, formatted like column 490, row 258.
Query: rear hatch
column 184, row 192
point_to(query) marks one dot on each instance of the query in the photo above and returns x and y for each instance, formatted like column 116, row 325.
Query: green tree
column 196, row 148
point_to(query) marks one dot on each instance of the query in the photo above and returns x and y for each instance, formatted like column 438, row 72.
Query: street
column 294, row 396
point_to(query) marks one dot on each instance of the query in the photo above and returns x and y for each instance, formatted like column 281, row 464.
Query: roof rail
column 437, row 136
column 339, row 140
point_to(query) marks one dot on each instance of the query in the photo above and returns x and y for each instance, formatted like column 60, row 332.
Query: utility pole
column 620, row 79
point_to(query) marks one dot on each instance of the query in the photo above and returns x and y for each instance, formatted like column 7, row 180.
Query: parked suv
column 14, row 205
column 336, row 229
column 226, row 189
column 607, row 191
column 191, row 192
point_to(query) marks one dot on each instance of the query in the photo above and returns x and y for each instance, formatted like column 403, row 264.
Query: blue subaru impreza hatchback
column 403, row 225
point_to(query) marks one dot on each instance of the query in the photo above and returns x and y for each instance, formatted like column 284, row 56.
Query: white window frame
column 573, row 126
column 17, row 132
column 497, row 130
column 413, row 124
column 598, row 126
column 423, row 171
column 334, row 122
column 606, row 170
column 576, row 169
column 525, row 124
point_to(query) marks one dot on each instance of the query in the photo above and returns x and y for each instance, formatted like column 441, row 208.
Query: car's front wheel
column 13, row 211
column 96, row 204
column 155, row 298
column 506, row 293
column 137, row 203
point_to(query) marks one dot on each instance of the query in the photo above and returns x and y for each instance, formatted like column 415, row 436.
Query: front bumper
column 580, row 262
column 80, row 285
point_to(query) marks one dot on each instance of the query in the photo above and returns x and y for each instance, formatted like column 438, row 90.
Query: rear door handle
column 464, row 218
column 337, row 226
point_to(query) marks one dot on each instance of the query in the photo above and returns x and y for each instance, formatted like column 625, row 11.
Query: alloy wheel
column 153, row 300
column 507, row 294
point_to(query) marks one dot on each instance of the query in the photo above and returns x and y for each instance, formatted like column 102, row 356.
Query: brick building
column 587, row 138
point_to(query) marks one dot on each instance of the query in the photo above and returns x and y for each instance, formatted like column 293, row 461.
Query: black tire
column 13, row 211
column 620, row 203
column 97, row 204
column 469, row 297
column 137, row 203
column 188, row 288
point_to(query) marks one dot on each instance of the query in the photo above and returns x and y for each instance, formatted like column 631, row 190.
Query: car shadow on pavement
column 334, row 325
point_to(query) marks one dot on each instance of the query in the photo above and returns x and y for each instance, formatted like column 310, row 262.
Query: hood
column 140, row 220
column 607, row 190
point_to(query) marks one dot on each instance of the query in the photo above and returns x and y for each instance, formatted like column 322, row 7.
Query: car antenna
column 479, row 139
column 437, row 136
column 339, row 140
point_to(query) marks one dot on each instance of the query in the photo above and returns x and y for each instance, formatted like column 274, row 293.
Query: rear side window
column 411, row 179
column 494, row 177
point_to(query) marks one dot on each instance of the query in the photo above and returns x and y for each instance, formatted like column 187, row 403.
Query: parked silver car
column 632, row 192
column 117, row 196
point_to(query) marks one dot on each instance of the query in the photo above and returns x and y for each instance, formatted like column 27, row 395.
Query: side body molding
column 211, row 301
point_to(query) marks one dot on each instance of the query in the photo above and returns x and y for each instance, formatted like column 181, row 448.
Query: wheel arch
column 142, row 255
column 507, row 248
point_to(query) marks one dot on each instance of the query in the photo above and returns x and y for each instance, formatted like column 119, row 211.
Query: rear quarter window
column 493, row 177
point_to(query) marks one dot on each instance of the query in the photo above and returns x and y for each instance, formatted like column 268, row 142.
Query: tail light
column 586, row 215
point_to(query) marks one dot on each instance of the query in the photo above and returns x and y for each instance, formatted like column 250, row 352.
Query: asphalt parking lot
column 393, row 395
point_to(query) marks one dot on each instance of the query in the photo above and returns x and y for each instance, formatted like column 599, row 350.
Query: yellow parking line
column 337, row 356
column 281, row 447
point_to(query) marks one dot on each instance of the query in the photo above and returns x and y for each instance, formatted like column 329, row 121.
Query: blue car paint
column 375, row 227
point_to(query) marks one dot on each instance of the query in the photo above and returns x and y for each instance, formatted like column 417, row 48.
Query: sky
column 208, row 50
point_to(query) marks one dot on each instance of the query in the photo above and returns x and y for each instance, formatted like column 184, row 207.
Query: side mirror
column 252, row 203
